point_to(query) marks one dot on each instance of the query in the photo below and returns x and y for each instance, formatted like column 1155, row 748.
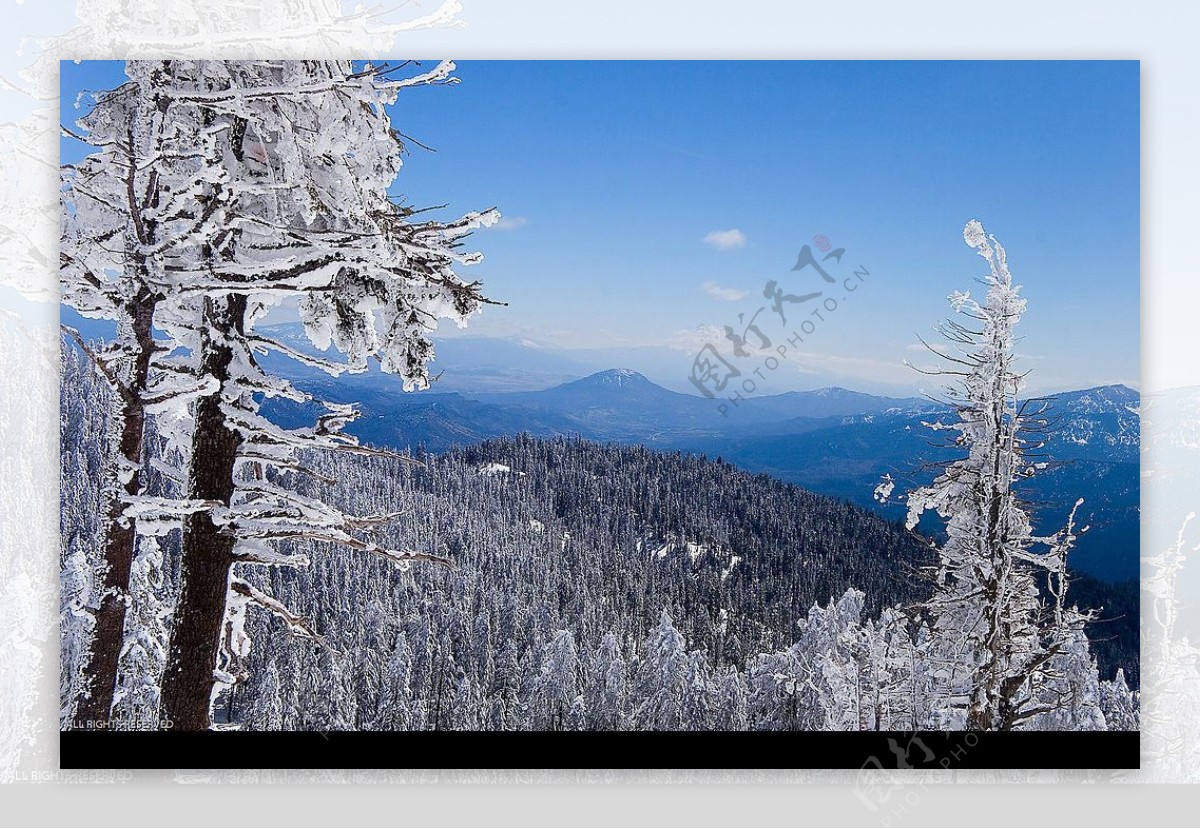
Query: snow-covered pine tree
column 698, row 693
column 296, row 158
column 146, row 199
column 395, row 701
column 661, row 679
column 266, row 714
column 504, row 713
column 1067, row 694
column 607, row 689
column 995, row 636
column 1119, row 704
column 846, row 685
column 155, row 198
column 895, row 655
column 730, row 712
column 558, row 684
column 84, row 398
column 779, row 693
column 135, row 704
column 577, row 717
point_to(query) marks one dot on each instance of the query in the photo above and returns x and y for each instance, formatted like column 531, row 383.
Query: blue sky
column 612, row 175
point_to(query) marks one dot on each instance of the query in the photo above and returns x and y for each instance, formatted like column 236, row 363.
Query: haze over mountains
column 835, row 441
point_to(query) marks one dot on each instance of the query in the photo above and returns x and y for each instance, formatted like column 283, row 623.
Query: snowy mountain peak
column 617, row 377
column 1115, row 398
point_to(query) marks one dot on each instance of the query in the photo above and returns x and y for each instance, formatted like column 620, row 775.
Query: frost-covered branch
column 296, row 623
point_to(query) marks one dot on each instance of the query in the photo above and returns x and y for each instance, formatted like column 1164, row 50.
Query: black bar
column 450, row 749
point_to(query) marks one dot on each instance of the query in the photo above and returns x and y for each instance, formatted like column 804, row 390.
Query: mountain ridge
column 833, row 440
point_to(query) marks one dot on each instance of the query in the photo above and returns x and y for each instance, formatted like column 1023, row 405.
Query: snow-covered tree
column 396, row 700
column 698, row 693
column 996, row 636
column 897, row 673
column 814, row 685
column 661, row 679
column 145, row 200
column 219, row 189
column 84, row 399
column 266, row 714
column 1169, row 702
column 845, row 685
column 607, row 688
column 1119, row 704
column 577, row 717
column 145, row 650
column 779, row 696
column 315, row 154
column 558, row 684
column 730, row 712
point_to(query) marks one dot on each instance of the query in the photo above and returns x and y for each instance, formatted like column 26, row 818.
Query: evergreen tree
column 698, row 692
column 994, row 635
column 558, row 684
column 145, row 649
column 661, row 680
column 370, row 282
column 144, row 201
column 730, row 705
column 606, row 691
column 396, row 701
column 1119, row 704
column 266, row 712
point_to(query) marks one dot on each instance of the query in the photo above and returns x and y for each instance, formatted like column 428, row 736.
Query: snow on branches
column 217, row 190
column 1014, row 652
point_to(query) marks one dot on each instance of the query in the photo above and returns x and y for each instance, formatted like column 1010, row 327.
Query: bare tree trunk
column 207, row 553
column 986, row 696
column 120, row 537
column 986, row 701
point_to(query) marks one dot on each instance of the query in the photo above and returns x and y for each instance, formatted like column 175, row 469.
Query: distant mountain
column 618, row 404
column 1103, row 423
column 431, row 421
column 822, row 403
column 1091, row 444
column 833, row 441
column 623, row 403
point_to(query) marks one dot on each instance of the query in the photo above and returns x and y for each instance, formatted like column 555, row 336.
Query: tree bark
column 100, row 665
column 94, row 707
column 207, row 554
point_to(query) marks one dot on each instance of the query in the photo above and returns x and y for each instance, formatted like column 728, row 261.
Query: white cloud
column 692, row 340
column 512, row 223
column 725, row 239
column 724, row 294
